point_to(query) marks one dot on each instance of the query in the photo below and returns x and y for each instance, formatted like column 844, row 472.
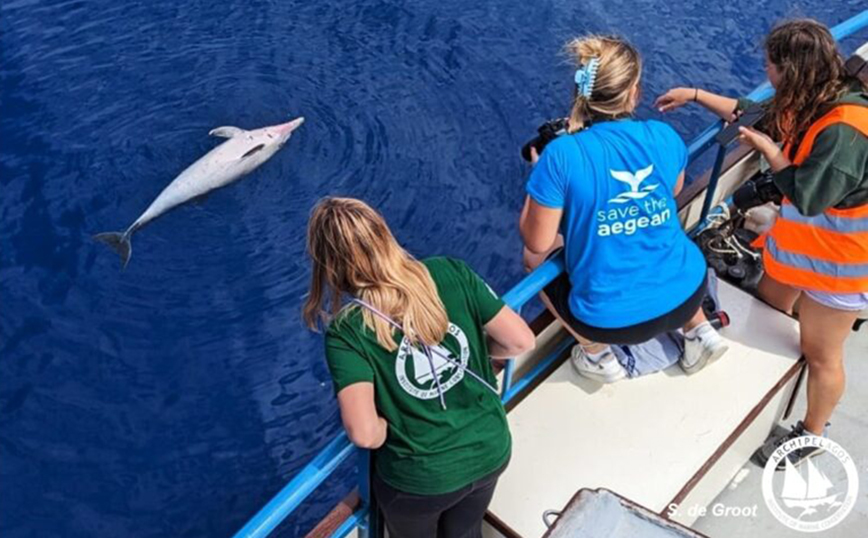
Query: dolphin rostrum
column 242, row 153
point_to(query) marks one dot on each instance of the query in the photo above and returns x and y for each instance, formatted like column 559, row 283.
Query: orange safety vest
column 827, row 252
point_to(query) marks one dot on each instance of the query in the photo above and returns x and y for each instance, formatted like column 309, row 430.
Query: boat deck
column 848, row 429
column 656, row 440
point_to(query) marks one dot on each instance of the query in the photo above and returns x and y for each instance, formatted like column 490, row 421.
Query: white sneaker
column 702, row 345
column 606, row 370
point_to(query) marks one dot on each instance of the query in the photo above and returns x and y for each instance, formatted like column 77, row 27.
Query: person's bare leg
column 823, row 331
column 778, row 295
column 590, row 359
column 588, row 345
column 531, row 262
column 697, row 319
column 702, row 344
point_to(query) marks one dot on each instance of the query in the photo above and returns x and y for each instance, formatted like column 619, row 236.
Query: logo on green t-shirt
column 413, row 369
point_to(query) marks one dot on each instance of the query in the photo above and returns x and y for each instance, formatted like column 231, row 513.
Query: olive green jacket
column 835, row 174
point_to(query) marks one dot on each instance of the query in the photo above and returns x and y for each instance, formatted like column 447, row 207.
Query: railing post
column 508, row 370
column 712, row 183
column 364, row 470
column 371, row 525
column 364, row 463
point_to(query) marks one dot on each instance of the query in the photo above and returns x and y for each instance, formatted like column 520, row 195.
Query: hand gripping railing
column 340, row 448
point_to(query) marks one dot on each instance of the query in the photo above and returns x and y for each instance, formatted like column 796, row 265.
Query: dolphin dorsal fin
column 226, row 131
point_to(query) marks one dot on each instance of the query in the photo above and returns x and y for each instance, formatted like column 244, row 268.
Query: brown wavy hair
column 355, row 253
column 812, row 76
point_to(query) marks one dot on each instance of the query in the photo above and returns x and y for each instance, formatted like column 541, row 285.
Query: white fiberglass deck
column 646, row 438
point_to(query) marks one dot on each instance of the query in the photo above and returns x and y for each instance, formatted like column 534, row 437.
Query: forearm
column 365, row 427
column 522, row 221
column 496, row 350
column 538, row 226
column 724, row 107
column 778, row 162
column 507, row 335
column 382, row 433
column 532, row 260
column 371, row 436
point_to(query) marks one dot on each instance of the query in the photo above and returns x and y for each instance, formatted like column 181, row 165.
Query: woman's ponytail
column 617, row 72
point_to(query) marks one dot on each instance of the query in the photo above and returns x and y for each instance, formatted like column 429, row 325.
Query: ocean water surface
column 176, row 397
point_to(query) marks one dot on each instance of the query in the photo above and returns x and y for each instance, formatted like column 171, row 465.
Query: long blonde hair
column 618, row 73
column 354, row 252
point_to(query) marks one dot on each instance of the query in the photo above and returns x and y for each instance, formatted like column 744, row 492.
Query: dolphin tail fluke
column 120, row 242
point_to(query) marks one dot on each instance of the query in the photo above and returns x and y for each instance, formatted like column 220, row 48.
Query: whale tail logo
column 633, row 180
column 120, row 242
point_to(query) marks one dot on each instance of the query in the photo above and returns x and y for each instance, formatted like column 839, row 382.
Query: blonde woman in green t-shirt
column 408, row 345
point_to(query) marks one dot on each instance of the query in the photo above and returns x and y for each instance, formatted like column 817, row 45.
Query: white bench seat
column 653, row 439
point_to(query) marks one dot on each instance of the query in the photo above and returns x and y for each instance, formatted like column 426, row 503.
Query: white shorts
column 851, row 302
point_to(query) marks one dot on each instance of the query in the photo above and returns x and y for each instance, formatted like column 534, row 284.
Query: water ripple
column 126, row 395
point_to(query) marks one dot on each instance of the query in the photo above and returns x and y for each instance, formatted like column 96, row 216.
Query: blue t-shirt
column 628, row 259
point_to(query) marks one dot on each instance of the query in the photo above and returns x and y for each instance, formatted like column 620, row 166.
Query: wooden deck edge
column 728, row 442
column 500, row 526
column 334, row 519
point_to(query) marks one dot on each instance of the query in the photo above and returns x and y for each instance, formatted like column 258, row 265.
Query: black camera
column 548, row 131
column 756, row 192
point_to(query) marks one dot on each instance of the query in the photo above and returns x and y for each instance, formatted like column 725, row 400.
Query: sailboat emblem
column 807, row 494
column 422, row 367
column 415, row 373
column 809, row 501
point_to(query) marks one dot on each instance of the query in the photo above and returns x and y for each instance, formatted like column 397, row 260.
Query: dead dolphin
column 242, row 153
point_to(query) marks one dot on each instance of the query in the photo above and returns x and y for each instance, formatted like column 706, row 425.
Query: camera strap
column 429, row 353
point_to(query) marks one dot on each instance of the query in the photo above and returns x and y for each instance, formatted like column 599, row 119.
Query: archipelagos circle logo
column 812, row 496
column 416, row 372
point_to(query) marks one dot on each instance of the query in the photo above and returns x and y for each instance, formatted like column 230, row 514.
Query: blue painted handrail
column 340, row 448
column 293, row 494
column 357, row 518
column 529, row 286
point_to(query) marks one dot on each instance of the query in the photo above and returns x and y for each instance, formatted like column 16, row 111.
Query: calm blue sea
column 175, row 398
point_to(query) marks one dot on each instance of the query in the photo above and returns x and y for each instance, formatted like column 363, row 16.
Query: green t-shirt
column 429, row 450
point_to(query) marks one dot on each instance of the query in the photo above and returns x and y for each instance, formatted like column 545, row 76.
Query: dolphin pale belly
column 242, row 153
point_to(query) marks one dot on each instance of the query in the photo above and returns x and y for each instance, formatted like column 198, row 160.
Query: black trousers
column 450, row 515
column 558, row 293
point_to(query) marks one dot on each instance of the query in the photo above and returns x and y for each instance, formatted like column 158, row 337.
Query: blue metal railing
column 296, row 491
column 340, row 448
